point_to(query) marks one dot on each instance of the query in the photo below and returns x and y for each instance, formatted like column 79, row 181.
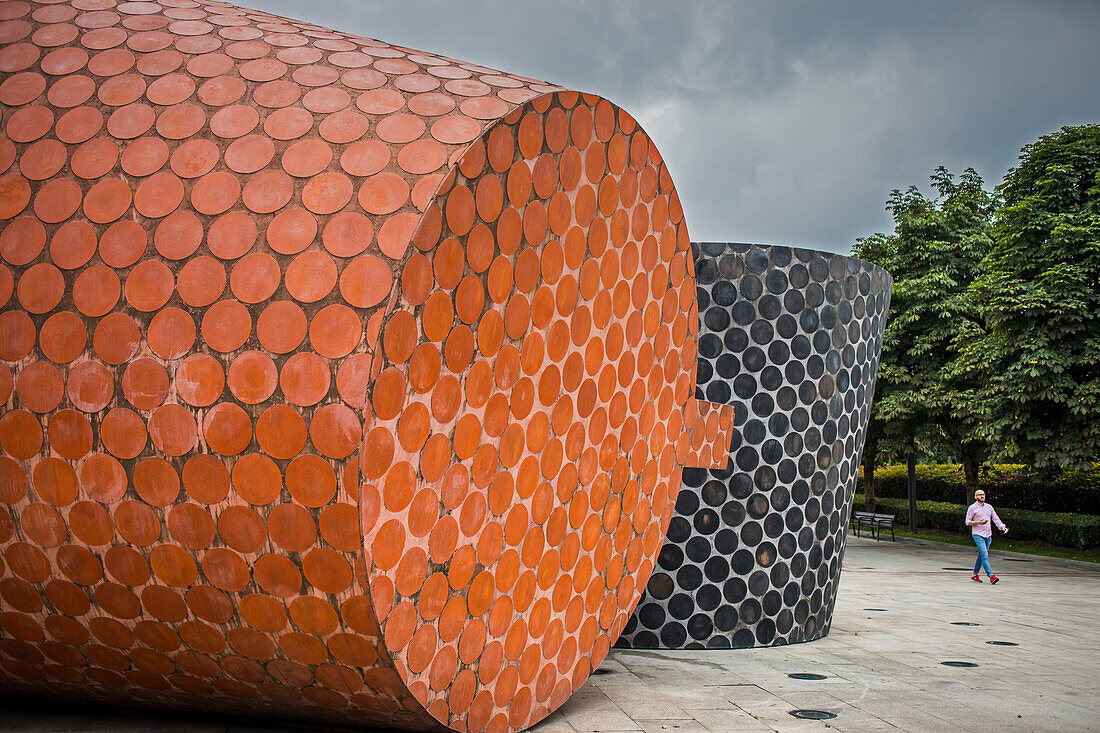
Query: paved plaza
column 899, row 615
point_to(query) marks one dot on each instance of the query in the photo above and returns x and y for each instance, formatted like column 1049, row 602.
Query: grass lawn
column 1000, row 542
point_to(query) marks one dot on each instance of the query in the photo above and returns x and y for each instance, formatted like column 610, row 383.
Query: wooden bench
column 874, row 522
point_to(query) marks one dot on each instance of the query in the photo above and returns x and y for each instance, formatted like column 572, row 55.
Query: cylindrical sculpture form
column 790, row 338
column 338, row 380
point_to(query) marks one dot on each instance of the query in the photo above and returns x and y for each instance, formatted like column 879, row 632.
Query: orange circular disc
column 343, row 127
column 72, row 245
column 122, row 244
column 89, row 386
column 249, row 154
column 215, row 193
column 96, row 290
column 22, row 240
column 171, row 333
column 158, row 195
column 131, row 121
column 149, row 285
column 40, row 387
column 304, row 379
column 383, row 193
column 288, row 124
column 311, row 276
column 365, row 158
column 281, row 327
column 94, row 158
column 291, row 231
column 255, row 277
column 63, row 337
column 116, row 338
column 17, row 330
column 253, row 377
column 335, row 331
column 200, row 380
column 144, row 156
column 267, row 192
column 400, row 128
column 235, row 121
column 123, row 433
column 226, row 326
column 58, row 200
column 327, row 192
column 231, row 235
column 201, row 281
column 347, row 234
column 178, row 235
column 43, row 159
column 15, row 194
column 335, row 431
column 107, row 200
column 281, row 431
column 307, row 158
column 227, row 429
column 366, row 281
column 172, row 430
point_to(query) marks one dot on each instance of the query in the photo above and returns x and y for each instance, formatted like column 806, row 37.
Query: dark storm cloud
column 783, row 122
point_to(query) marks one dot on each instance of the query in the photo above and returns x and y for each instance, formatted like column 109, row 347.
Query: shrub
column 1006, row 486
column 1067, row 530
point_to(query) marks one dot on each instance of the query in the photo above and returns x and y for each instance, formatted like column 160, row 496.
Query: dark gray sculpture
column 752, row 557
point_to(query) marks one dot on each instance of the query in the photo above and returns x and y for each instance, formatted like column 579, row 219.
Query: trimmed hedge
column 1067, row 530
column 1007, row 486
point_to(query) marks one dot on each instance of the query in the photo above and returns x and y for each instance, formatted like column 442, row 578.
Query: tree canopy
column 1040, row 296
column 924, row 397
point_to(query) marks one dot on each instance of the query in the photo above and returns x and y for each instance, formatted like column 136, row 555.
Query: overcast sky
column 782, row 122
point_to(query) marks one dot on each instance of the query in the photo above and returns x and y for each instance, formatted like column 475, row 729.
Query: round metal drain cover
column 813, row 714
column 1002, row 643
column 806, row 676
column 958, row 664
column 964, row 623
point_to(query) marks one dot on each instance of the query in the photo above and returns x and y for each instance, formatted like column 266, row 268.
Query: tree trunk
column 870, row 459
column 970, row 469
column 970, row 454
column 868, row 487
column 912, row 476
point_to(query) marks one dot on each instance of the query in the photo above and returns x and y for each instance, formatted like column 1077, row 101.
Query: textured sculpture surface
column 790, row 338
column 338, row 380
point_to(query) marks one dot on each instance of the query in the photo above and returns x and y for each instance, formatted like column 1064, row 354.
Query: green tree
column 1040, row 298
column 892, row 422
column 925, row 394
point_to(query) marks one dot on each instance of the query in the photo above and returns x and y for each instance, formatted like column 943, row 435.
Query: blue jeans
column 983, row 554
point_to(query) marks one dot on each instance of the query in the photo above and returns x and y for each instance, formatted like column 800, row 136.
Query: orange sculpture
column 339, row 380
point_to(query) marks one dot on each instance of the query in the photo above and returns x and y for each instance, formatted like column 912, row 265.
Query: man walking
column 978, row 518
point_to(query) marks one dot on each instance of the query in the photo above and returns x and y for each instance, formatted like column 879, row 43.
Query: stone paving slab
column 882, row 668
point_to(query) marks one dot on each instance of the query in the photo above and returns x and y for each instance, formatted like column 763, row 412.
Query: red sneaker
column 976, row 579
column 993, row 579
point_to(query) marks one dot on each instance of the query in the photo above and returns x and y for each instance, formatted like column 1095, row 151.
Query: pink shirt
column 983, row 511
